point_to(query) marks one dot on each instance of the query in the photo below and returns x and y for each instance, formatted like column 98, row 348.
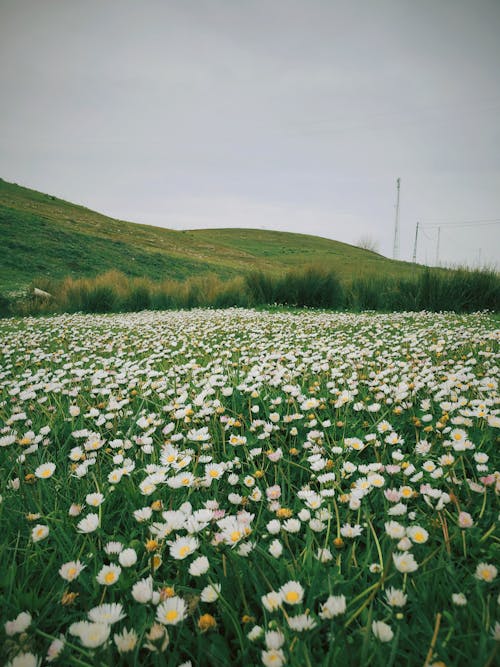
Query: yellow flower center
column 171, row 615
column 235, row 535
column 109, row 577
column 213, row 473
column 72, row 572
column 46, row 473
column 292, row 596
column 183, row 551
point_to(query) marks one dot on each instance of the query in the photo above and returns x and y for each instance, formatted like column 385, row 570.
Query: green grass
column 46, row 237
column 401, row 407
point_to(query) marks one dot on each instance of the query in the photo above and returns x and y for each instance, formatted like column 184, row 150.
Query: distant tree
column 368, row 243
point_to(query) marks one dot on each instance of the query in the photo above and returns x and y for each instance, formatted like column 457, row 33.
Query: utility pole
column 437, row 246
column 415, row 244
column 395, row 250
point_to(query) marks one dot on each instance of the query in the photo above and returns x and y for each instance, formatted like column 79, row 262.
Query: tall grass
column 459, row 290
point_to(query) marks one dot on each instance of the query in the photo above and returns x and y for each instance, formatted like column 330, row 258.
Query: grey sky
column 291, row 115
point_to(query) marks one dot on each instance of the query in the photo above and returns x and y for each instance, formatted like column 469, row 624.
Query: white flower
column 210, row 593
column 276, row 548
column 19, row 624
column 183, row 547
column 272, row 600
column 459, row 599
column 142, row 591
column 273, row 658
column 274, row 639
column 39, row 533
column 107, row 613
column 127, row 557
column 91, row 635
column 382, row 631
column 301, row 622
column 486, row 572
column 109, row 575
column 45, row 470
column 24, row 660
column 334, row 606
column 199, row 566
column 292, row 592
column 405, row 562
column 71, row 570
column 172, row 611
column 88, row 524
column 55, row 649
column 126, row 640
column 417, row 534
column 395, row 597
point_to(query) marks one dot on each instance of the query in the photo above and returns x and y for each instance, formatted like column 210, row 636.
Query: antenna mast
column 415, row 244
column 395, row 250
column 437, row 246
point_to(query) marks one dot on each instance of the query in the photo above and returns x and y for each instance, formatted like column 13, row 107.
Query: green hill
column 46, row 237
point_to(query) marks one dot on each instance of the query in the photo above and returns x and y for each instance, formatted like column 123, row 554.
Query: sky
column 295, row 115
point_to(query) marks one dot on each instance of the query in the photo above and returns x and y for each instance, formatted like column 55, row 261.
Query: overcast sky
column 294, row 115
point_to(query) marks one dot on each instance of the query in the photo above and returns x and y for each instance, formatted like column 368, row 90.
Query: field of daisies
column 232, row 487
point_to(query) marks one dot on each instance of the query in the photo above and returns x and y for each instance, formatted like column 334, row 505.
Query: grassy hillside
column 46, row 237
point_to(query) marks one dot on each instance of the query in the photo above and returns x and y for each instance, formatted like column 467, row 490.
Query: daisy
column 183, row 547
column 404, row 562
column 88, row 524
column 45, row 470
column 292, row 592
column 107, row 613
column 71, row 570
column 39, row 532
column 417, row 534
column 210, row 593
column 109, row 575
column 126, row 640
column 172, row 611
column 19, row 624
column 334, row 606
column 199, row 566
column 382, row 631
column 395, row 597
column 273, row 658
column 485, row 572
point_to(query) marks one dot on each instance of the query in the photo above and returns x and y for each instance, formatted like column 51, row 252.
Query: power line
column 462, row 223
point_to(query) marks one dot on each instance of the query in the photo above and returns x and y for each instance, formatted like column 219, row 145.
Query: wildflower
column 486, row 572
column 292, row 592
column 55, row 649
column 273, row 658
column 255, row 633
column 113, row 548
column 301, row 622
column 107, row 613
column 126, row 640
column 109, row 575
column 171, row 611
column 91, row 635
column 459, row 599
column 334, row 606
column 39, row 532
column 405, row 562
column 45, row 470
column 210, row 593
column 351, row 531
column 465, row 520
column 157, row 638
column 94, row 499
column 71, row 570
column 272, row 600
column 127, row 557
column 199, row 566
column 395, row 597
column 207, row 622
column 394, row 529
column 183, row 547
column 417, row 534
column 24, row 660
column 274, row 639
column 382, row 631
column 88, row 524
column 276, row 548
column 142, row 591
column 19, row 624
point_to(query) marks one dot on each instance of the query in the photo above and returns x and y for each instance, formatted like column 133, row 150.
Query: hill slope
column 43, row 236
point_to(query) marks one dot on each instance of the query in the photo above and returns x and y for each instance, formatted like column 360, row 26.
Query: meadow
column 215, row 487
